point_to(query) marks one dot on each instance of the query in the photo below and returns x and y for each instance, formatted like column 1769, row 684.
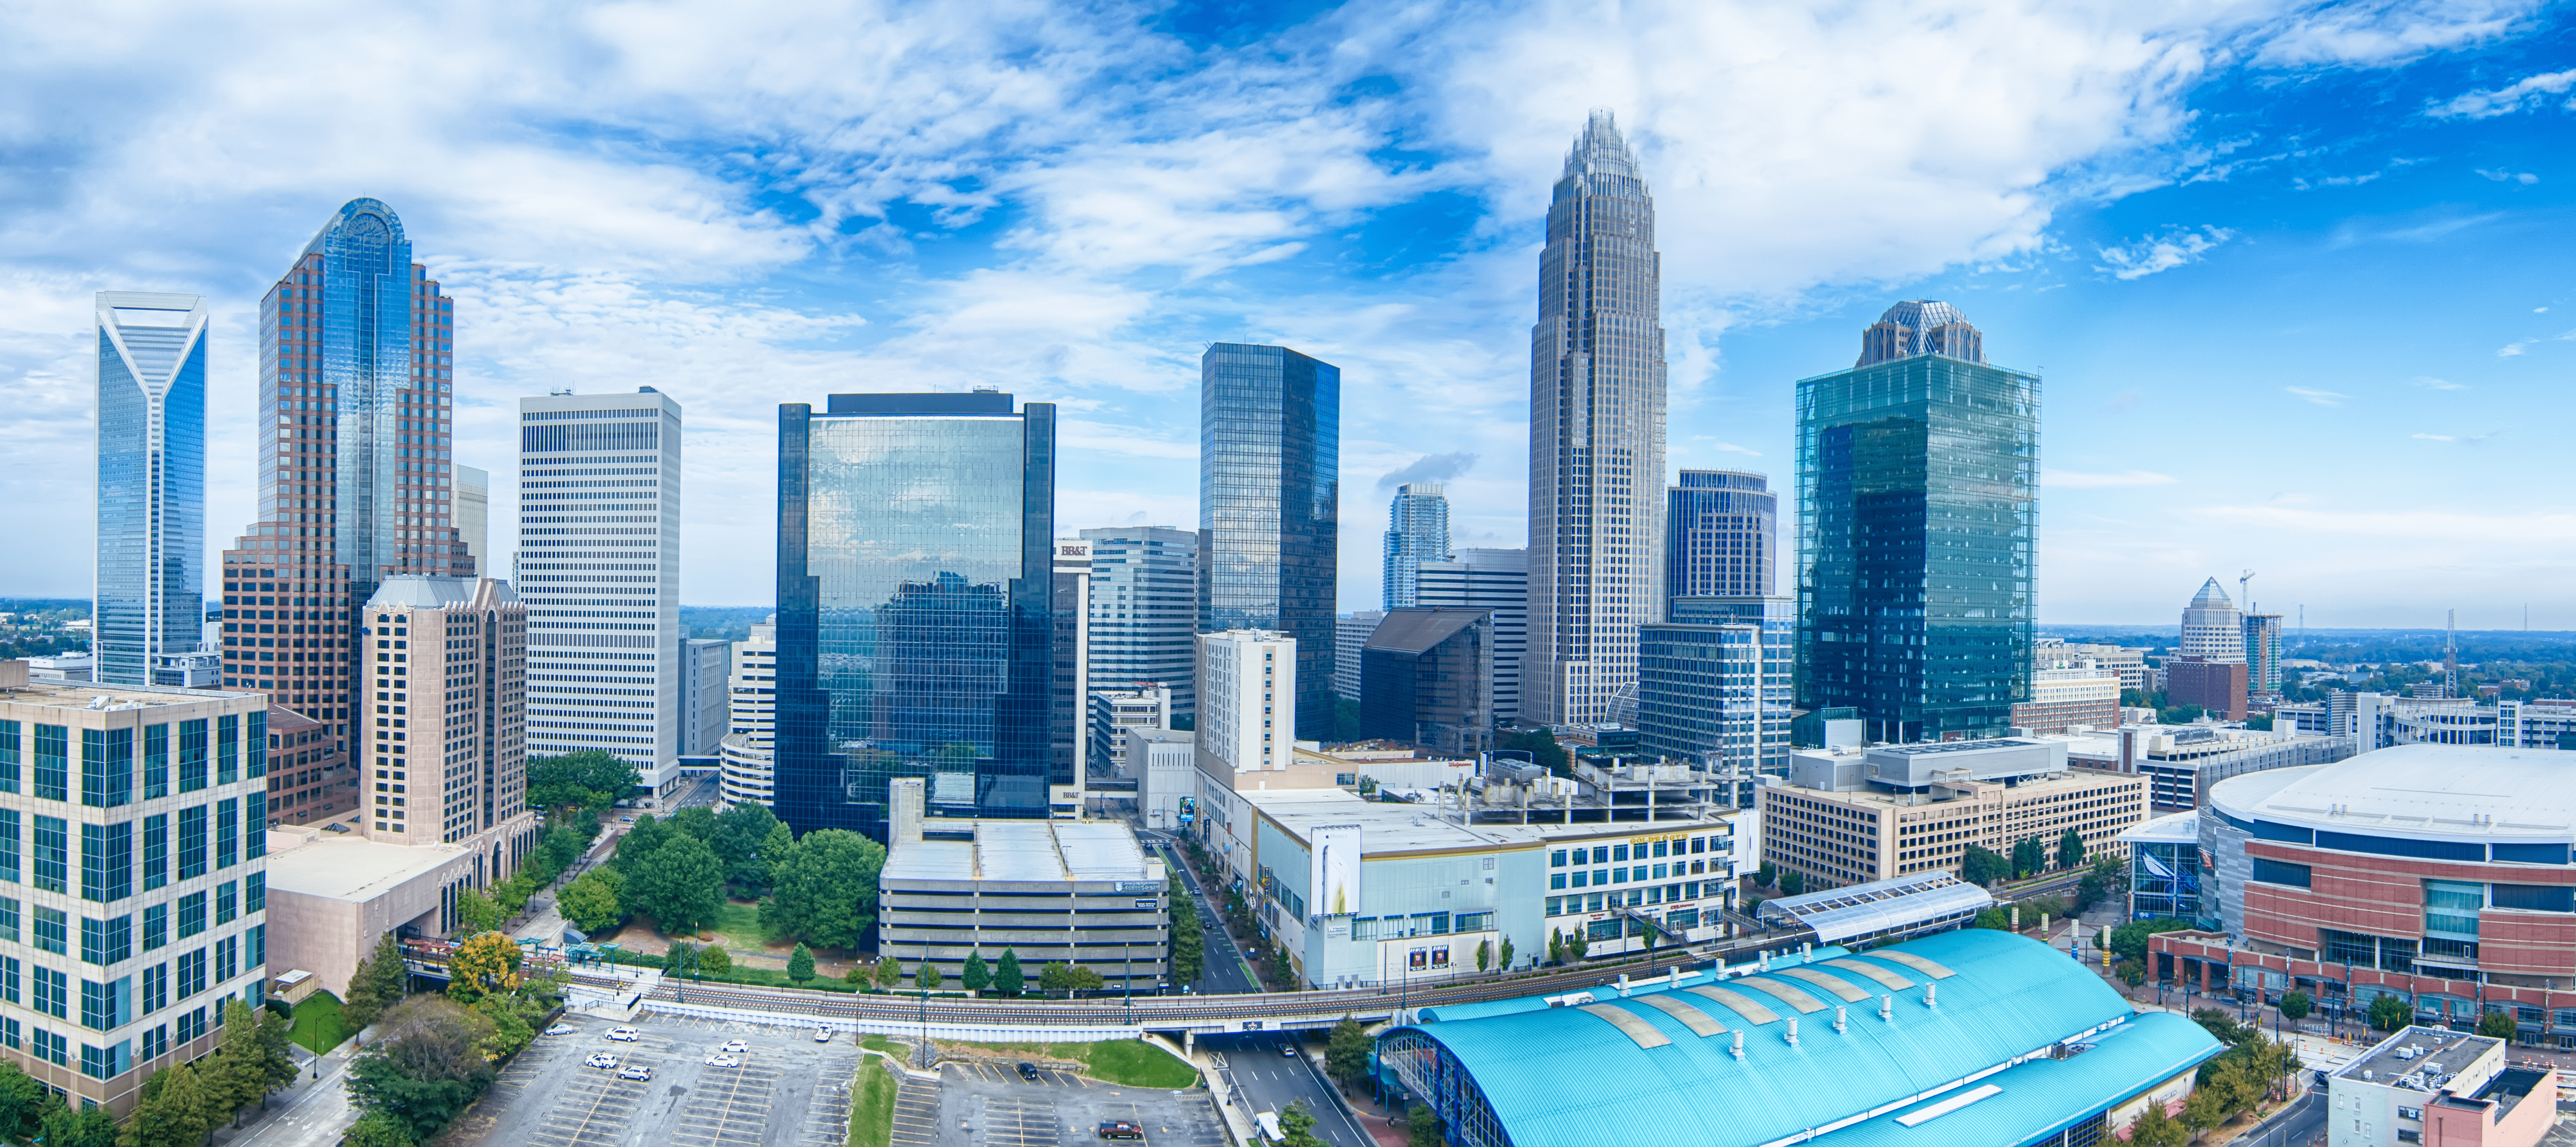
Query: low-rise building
column 1851, row 816
column 2067, row 698
column 2181, row 762
column 1115, row 712
column 332, row 895
column 2213, row 684
column 1164, row 765
column 1080, row 892
column 2433, row 1085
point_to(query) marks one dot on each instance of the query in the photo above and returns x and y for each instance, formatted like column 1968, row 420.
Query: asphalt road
column 1224, row 969
column 1268, row 1080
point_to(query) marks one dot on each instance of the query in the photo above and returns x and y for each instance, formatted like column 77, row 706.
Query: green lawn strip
column 1128, row 1062
column 318, row 1023
column 872, row 1106
column 893, row 1048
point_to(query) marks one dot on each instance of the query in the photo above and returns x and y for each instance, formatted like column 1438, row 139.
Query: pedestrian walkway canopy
column 1908, row 905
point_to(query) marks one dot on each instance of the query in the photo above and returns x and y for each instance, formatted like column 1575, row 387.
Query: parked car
column 822, row 1035
column 723, row 1061
column 601, row 1059
column 734, row 1046
column 1120, row 1129
column 623, row 1035
column 560, row 1029
column 1029, row 1071
column 634, row 1071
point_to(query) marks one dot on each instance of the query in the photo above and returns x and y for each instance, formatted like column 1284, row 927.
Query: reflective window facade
column 1270, row 448
column 1417, row 531
column 151, row 481
column 1596, row 469
column 1724, row 528
column 1918, row 482
column 914, row 606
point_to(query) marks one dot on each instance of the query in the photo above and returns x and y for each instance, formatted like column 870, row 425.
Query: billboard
column 1333, row 870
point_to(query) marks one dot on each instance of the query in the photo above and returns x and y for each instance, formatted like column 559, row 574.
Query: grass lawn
column 890, row 1047
column 318, row 1023
column 872, row 1107
column 1132, row 1062
column 739, row 922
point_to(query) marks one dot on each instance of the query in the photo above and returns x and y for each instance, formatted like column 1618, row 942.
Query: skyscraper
column 599, row 569
column 2211, row 626
column 916, row 538
column 2263, row 653
column 1725, row 530
column 356, row 402
column 1069, row 696
column 1144, row 610
column 1270, row 448
column 1596, row 474
column 1918, row 491
column 474, row 518
column 1417, row 531
column 151, row 485
column 1496, row 581
column 747, row 775
column 459, row 774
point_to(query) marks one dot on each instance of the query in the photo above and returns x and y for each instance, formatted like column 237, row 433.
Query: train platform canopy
column 1988, row 1040
column 1713, row 975
column 1881, row 907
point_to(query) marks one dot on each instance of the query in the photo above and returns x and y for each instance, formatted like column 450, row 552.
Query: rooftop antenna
column 2451, row 654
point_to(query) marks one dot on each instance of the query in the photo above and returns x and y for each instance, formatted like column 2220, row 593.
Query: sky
column 2300, row 278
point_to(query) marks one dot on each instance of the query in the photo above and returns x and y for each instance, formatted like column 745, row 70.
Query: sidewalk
column 310, row 1113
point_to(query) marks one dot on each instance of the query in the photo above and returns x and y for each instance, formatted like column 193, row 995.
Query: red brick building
column 2218, row 686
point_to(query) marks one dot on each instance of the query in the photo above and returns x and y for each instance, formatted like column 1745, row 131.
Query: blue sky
column 2301, row 277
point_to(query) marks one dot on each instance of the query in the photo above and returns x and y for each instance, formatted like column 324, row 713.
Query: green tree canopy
column 22, row 1102
column 475, row 912
column 589, row 779
column 591, row 902
column 824, row 890
column 2070, row 849
column 1346, row 1051
column 1541, row 746
column 426, row 1064
column 1980, row 865
column 2028, row 856
column 926, row 977
column 976, row 975
column 641, row 840
column 800, row 964
column 2389, row 1013
column 63, row 1127
column 2296, row 1005
column 2129, row 941
column 680, row 884
column 741, row 838
column 2496, row 1025
column 1007, row 977
column 173, row 1112
column 378, row 983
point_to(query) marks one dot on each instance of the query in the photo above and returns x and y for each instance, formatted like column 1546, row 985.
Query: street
column 1268, row 1079
column 1225, row 970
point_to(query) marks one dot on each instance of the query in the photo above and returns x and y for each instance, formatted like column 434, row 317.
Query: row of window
column 40, row 757
column 1632, row 898
column 1620, row 853
column 1604, row 877
column 109, row 940
column 108, row 850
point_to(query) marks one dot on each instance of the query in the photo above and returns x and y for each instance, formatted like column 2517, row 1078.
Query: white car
column 601, row 1059
column 822, row 1035
column 623, row 1035
column 723, row 1061
column 735, row 1047
column 560, row 1029
column 634, row 1071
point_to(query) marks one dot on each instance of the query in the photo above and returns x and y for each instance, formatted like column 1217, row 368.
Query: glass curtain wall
column 1270, row 507
column 151, row 481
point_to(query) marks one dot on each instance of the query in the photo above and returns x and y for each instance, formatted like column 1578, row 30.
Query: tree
column 641, row 841
column 2496, row 1025
column 1189, row 943
column 1007, row 978
column 1346, row 1051
column 591, row 902
column 2070, row 850
column 2219, row 1024
column 485, row 963
column 888, row 972
column 1979, row 865
column 2295, row 1006
column 379, row 982
column 714, row 960
column 589, row 779
column 680, row 884
column 1069, row 978
column 1296, row 1124
column 1995, row 918
column 677, row 959
column 2132, row 972
column 800, row 965
column 425, row 1067
column 1505, row 958
column 1541, row 746
column 2028, row 856
column 562, row 847
column 1556, row 945
column 1577, row 943
column 1346, row 720
column 64, row 1127
column 976, row 975
column 699, row 822
column 2389, row 1013
column 475, row 912
column 374, row 1129
column 2208, row 1107
column 266, row 1043
column 1793, row 883
column 824, row 889
column 22, row 1101
column 173, row 1112
column 2129, row 941
column 1422, row 1128
column 1766, row 874
column 741, row 838
column 1484, row 955
column 2157, row 1129
column 926, row 977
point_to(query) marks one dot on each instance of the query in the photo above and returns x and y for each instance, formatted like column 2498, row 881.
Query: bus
column 1268, row 1122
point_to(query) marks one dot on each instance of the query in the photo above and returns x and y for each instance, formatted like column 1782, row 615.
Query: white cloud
column 2373, row 33
column 2525, row 93
column 2522, row 177
column 2462, row 439
column 1731, row 448
column 2319, row 397
column 2430, row 383
column 2515, row 349
column 2081, row 480
column 2162, row 253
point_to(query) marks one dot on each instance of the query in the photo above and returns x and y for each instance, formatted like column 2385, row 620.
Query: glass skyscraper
column 356, row 455
column 1417, row 531
column 1725, row 526
column 915, row 585
column 1144, row 611
column 1596, row 472
column 1270, row 450
column 151, row 483
column 1715, row 684
column 1918, row 494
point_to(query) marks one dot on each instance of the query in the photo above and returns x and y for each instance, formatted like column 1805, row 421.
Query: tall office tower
column 1144, row 611
column 356, row 401
column 151, row 485
column 916, row 541
column 1715, row 685
column 1918, row 495
column 746, row 776
column 1248, row 691
column 2263, row 654
column 1725, row 530
column 458, row 772
column 474, row 517
column 705, row 700
column 599, row 567
column 1270, row 450
column 1350, row 635
column 1417, row 531
column 1069, row 695
column 141, row 909
column 1496, row 581
column 2211, row 626
column 1596, row 474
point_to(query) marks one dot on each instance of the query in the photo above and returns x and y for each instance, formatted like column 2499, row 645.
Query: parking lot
column 985, row 1104
column 788, row 1092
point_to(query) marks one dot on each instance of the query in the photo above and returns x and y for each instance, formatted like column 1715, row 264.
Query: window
column 1582, row 878
column 1619, row 852
column 10, row 748
column 255, row 740
column 53, row 772
column 1556, row 881
column 227, row 902
column 156, row 1042
column 53, row 992
column 9, row 845
column 1601, row 855
column 2400, row 846
column 192, row 842
column 192, row 755
column 108, row 1006
column 192, row 914
column 1556, row 859
column 227, row 832
column 107, row 767
column 1556, row 906
column 53, row 930
column 2507, row 853
column 1659, row 848
column 9, row 920
column 156, row 926
column 156, row 988
column 2535, row 897
column 10, row 972
column 53, row 860
column 1619, row 875
column 105, row 1062
column 107, row 861
column 2277, row 872
column 156, row 851
column 254, row 947
column 156, row 761
column 227, row 748
column 255, row 815
column 254, row 893
column 227, row 957
column 2452, row 906
column 192, row 973
column 106, row 941
column 51, row 1047
column 1475, row 921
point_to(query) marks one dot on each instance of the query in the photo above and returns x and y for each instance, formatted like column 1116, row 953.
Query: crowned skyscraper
column 151, row 483
column 1596, row 473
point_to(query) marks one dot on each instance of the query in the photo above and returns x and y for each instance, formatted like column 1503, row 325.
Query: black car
column 1120, row 1129
column 1029, row 1071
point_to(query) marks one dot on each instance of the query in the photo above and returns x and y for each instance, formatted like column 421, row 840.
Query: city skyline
column 2073, row 227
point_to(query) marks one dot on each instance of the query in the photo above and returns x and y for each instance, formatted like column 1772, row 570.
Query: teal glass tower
column 151, row 482
column 1918, row 495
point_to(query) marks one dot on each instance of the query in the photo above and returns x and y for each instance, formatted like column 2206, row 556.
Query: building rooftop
column 1025, row 850
column 86, row 695
column 348, row 867
column 1880, row 905
column 1398, row 828
column 2418, row 1057
column 1415, row 630
column 2423, row 790
column 2173, row 828
column 416, row 591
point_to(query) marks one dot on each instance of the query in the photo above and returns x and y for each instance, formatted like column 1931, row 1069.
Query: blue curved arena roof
column 1570, row 1076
